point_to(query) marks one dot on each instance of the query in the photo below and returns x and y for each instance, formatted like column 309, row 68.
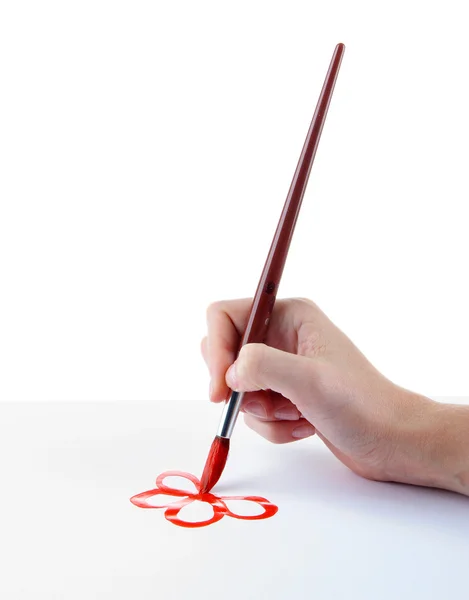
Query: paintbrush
column 264, row 299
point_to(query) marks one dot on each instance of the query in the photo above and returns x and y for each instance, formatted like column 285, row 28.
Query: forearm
column 432, row 445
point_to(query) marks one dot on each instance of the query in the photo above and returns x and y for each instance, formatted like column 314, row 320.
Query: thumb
column 260, row 367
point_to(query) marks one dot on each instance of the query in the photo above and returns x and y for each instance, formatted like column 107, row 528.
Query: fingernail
column 210, row 390
column 231, row 377
column 287, row 413
column 256, row 409
column 303, row 431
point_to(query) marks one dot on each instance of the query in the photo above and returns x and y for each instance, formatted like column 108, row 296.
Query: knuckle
column 311, row 342
column 213, row 308
column 303, row 303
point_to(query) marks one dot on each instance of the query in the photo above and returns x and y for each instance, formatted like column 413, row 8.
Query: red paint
column 220, row 509
column 215, row 464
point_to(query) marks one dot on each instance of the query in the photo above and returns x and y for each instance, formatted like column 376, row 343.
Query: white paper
column 69, row 530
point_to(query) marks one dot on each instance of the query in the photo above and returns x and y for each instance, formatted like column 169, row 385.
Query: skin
column 309, row 378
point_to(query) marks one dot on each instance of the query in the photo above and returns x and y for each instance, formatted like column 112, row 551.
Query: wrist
column 430, row 444
column 448, row 446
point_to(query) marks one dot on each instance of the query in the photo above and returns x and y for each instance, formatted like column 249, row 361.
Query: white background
column 146, row 149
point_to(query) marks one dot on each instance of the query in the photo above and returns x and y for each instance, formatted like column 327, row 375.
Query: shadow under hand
column 309, row 473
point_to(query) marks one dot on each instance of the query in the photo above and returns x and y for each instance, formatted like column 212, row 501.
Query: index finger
column 226, row 322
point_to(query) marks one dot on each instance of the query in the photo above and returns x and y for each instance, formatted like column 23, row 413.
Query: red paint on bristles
column 215, row 464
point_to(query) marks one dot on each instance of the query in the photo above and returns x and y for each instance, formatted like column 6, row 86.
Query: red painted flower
column 218, row 503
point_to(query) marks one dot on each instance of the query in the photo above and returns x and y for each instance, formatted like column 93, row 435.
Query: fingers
column 225, row 321
column 269, row 406
column 259, row 367
column 280, row 432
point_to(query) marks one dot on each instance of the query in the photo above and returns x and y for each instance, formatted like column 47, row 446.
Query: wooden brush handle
column 264, row 299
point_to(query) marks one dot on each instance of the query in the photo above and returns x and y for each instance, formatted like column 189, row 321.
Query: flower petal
column 159, row 499
column 172, row 514
column 244, row 508
column 269, row 509
column 174, row 491
column 196, row 511
column 147, row 499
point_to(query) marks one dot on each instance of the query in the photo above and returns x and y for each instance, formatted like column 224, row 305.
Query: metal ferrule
column 230, row 414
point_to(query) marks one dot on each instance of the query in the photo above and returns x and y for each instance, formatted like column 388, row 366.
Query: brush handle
column 264, row 298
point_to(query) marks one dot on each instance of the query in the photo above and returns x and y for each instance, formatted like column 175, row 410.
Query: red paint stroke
column 220, row 509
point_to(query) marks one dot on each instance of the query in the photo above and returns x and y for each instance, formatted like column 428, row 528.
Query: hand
column 310, row 378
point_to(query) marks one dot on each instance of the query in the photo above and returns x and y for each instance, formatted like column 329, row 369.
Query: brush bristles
column 215, row 464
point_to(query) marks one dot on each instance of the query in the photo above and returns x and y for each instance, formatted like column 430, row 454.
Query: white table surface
column 68, row 530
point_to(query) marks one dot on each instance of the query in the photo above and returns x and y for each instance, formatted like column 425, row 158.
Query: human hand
column 310, row 378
